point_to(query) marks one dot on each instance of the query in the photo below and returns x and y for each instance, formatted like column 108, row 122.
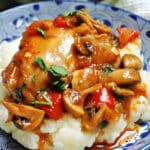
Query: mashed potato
column 111, row 132
column 66, row 133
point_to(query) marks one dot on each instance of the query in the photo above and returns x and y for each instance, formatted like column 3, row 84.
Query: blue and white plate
column 14, row 21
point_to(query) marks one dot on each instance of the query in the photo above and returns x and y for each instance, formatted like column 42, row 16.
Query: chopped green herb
column 44, row 94
column 36, row 102
column 118, row 97
column 108, row 69
column 58, row 85
column 18, row 91
column 57, row 71
column 39, row 61
column 19, row 94
column 42, row 32
column 81, row 11
column 33, row 79
column 102, row 124
column 67, row 14
column 40, row 90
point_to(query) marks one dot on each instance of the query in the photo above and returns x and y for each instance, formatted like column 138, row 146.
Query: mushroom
column 95, row 26
column 90, row 123
column 70, row 101
column 20, row 121
column 120, row 91
column 85, row 18
column 125, row 76
column 83, row 29
column 74, row 101
column 85, row 44
column 25, row 117
column 131, row 61
column 84, row 78
column 117, row 62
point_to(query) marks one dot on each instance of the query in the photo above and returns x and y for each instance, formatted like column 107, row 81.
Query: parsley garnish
column 36, row 102
column 33, row 79
column 43, row 93
column 42, row 32
column 58, row 85
column 108, row 69
column 39, row 61
column 57, row 71
column 40, row 90
column 67, row 14
column 54, row 70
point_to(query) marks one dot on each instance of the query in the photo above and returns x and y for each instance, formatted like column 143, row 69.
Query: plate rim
column 69, row 1
column 79, row 1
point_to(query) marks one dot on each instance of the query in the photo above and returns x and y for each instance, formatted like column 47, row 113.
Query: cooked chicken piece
column 48, row 42
column 55, row 49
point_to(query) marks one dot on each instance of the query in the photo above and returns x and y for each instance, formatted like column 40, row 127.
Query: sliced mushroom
column 120, row 91
column 100, row 27
column 90, row 90
column 117, row 63
column 73, row 101
column 90, row 123
column 85, row 44
column 82, row 30
column 131, row 61
column 87, row 20
column 84, row 78
column 32, row 116
column 94, row 25
column 20, row 121
column 125, row 76
column 70, row 101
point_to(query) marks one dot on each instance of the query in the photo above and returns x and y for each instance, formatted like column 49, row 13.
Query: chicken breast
column 55, row 46
column 55, row 49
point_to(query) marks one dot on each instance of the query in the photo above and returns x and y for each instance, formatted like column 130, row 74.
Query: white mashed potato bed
column 66, row 133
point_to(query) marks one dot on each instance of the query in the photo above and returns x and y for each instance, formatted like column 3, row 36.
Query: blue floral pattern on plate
column 14, row 21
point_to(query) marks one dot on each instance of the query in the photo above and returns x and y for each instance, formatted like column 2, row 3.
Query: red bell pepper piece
column 56, row 110
column 60, row 22
column 102, row 96
column 126, row 35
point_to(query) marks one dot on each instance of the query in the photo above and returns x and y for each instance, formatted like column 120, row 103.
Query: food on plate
column 72, row 84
